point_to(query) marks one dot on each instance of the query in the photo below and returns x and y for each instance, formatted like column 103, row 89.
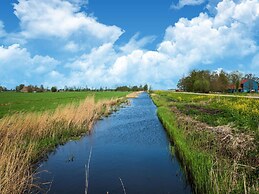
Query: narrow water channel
column 130, row 144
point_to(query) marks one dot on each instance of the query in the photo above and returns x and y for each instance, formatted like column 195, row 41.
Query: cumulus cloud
column 228, row 34
column 104, row 66
column 203, row 40
column 183, row 3
column 62, row 19
column 17, row 65
column 135, row 43
column 188, row 43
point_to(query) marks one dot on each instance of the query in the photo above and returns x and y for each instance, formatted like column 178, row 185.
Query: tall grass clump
column 26, row 137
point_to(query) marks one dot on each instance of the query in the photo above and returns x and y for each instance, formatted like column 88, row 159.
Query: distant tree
column 145, row 88
column 123, row 88
column 214, row 86
column 223, row 81
column 19, row 88
column 2, row 89
column 53, row 89
column 201, row 85
column 235, row 79
column 41, row 88
column 204, row 81
column 135, row 88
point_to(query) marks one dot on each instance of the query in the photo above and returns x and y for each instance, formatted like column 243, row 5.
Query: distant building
column 246, row 85
column 25, row 89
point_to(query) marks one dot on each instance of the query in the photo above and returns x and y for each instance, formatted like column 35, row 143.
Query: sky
column 100, row 43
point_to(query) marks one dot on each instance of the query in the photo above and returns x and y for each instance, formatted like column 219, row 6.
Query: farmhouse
column 246, row 85
column 25, row 89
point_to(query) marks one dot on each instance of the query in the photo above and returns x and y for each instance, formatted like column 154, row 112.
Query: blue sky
column 130, row 42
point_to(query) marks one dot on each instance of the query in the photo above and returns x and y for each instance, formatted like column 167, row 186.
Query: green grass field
column 215, row 110
column 11, row 102
column 40, row 125
column 215, row 137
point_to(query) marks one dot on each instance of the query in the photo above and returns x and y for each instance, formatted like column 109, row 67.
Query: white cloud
column 201, row 40
column 204, row 39
column 62, row 19
column 189, row 43
column 105, row 67
column 183, row 3
column 79, row 2
column 97, row 58
column 17, row 65
column 72, row 47
column 135, row 43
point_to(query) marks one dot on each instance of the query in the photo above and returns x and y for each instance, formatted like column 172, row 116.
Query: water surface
column 130, row 144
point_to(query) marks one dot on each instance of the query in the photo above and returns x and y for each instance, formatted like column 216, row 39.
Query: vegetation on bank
column 12, row 102
column 216, row 138
column 133, row 88
column 25, row 137
column 41, row 88
column 205, row 81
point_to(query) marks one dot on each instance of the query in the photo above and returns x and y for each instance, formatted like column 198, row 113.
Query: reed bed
column 26, row 137
column 134, row 94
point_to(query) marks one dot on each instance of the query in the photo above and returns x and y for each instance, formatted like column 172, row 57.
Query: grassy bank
column 12, row 102
column 26, row 137
column 216, row 138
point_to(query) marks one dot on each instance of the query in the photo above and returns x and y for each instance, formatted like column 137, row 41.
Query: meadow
column 12, row 102
column 37, row 123
column 215, row 137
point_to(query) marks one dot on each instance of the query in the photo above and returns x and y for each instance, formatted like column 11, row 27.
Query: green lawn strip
column 196, row 163
column 11, row 102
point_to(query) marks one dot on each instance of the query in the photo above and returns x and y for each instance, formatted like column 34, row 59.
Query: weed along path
column 130, row 153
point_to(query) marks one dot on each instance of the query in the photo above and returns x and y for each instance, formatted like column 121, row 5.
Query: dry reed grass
column 26, row 137
column 134, row 94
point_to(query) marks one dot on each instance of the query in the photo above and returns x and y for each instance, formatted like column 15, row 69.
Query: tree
column 19, row 88
column 223, row 81
column 235, row 79
column 123, row 88
column 41, row 88
column 53, row 89
column 135, row 88
column 145, row 88
column 214, row 86
column 204, row 81
column 2, row 88
column 201, row 85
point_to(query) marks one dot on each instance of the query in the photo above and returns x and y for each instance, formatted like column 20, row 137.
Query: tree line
column 133, row 88
column 41, row 88
column 206, row 81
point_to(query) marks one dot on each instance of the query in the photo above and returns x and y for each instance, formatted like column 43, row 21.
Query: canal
column 130, row 147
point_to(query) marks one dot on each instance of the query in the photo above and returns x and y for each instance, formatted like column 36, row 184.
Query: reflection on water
column 131, row 144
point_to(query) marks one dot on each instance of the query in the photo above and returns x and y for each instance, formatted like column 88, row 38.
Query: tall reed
column 26, row 137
